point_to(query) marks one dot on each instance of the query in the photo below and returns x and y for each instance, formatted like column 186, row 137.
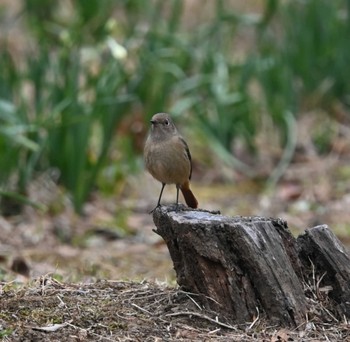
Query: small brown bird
column 168, row 158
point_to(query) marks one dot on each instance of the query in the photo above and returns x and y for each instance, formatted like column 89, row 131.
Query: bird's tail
column 190, row 199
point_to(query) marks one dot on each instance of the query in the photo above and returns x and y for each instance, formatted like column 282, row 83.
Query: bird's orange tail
column 190, row 200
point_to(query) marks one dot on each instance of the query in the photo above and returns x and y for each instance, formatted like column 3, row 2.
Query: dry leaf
column 282, row 335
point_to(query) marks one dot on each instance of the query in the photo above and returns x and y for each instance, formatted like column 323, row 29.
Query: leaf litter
column 47, row 309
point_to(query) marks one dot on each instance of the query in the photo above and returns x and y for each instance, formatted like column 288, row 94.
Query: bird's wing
column 188, row 154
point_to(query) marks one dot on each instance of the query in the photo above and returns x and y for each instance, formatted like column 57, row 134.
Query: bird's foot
column 157, row 206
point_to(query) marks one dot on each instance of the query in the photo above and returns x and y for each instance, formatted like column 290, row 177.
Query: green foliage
column 53, row 125
column 301, row 63
column 302, row 58
column 86, row 66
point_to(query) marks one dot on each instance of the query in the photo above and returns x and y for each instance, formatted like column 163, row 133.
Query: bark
column 326, row 261
column 241, row 265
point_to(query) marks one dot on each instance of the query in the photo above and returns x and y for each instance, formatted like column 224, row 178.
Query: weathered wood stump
column 240, row 265
column 324, row 258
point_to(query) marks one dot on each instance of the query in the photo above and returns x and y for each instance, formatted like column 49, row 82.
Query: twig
column 328, row 312
column 255, row 320
column 195, row 303
column 302, row 323
column 137, row 295
column 317, row 289
column 197, row 294
column 214, row 331
column 327, row 339
column 142, row 309
column 196, row 314
column 62, row 303
column 51, row 328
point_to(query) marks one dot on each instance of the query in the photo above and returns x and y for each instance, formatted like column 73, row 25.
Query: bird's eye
column 166, row 122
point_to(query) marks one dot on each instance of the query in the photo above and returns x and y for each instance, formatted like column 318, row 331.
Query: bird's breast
column 167, row 162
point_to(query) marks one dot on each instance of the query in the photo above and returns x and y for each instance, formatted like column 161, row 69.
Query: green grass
column 302, row 57
column 84, row 71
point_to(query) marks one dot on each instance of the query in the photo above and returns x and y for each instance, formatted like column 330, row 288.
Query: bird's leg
column 177, row 196
column 160, row 197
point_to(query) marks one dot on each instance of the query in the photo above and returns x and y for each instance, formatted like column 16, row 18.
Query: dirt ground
column 106, row 276
column 47, row 310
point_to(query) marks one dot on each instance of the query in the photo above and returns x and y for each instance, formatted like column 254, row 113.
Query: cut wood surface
column 245, row 266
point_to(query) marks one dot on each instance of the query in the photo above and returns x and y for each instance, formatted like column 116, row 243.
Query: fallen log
column 243, row 265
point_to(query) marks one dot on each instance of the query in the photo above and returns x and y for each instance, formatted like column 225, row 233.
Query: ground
column 105, row 275
column 46, row 310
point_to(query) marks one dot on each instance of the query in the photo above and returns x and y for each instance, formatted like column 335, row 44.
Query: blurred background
column 259, row 89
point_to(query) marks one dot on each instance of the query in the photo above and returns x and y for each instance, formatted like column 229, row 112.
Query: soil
column 48, row 310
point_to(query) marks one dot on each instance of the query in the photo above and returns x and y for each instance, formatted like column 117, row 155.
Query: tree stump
column 241, row 265
column 325, row 258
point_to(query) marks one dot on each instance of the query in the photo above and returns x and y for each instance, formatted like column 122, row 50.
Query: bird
column 168, row 158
